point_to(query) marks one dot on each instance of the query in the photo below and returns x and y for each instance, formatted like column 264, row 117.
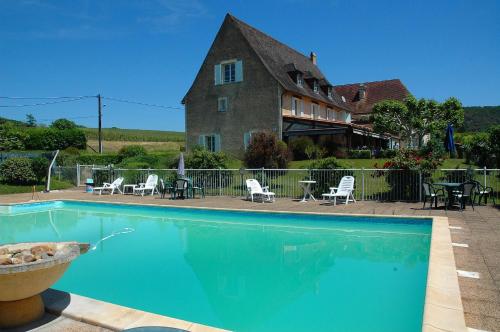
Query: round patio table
column 306, row 185
column 449, row 187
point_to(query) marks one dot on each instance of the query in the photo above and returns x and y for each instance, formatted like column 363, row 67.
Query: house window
column 330, row 92
column 222, row 104
column 315, row 87
column 348, row 117
column 314, row 111
column 296, row 106
column 210, row 142
column 329, row 114
column 300, row 80
column 247, row 138
column 229, row 72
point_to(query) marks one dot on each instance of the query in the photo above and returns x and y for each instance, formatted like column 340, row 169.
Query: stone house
column 250, row 82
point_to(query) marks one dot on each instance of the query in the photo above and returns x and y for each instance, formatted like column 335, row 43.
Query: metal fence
column 370, row 184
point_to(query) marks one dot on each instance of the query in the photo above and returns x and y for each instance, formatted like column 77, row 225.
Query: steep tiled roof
column 280, row 59
column 375, row 92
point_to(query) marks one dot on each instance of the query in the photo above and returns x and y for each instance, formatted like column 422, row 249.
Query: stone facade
column 253, row 103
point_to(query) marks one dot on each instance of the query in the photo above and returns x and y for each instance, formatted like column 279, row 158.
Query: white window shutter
column 201, row 141
column 217, row 74
column 239, row 71
column 217, row 142
column 301, row 108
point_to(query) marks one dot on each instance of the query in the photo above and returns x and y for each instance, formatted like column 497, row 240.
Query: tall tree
column 414, row 118
column 30, row 120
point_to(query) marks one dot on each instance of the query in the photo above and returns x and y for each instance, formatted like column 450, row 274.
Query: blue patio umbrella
column 449, row 141
column 180, row 167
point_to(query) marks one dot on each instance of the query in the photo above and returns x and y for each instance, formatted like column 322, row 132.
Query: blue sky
column 150, row 51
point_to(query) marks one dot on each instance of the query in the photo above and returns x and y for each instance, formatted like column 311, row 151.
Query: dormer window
column 316, row 86
column 330, row 92
column 300, row 79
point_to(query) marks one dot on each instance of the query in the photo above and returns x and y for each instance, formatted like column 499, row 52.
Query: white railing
column 371, row 184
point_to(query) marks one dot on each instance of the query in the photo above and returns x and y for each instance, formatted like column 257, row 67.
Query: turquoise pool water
column 244, row 271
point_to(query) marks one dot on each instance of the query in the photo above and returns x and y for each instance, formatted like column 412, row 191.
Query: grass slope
column 135, row 135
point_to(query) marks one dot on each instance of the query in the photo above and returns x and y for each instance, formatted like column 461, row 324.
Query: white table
column 128, row 189
column 306, row 185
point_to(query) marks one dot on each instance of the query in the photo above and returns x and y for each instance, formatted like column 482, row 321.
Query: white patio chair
column 345, row 189
column 150, row 185
column 110, row 187
column 254, row 188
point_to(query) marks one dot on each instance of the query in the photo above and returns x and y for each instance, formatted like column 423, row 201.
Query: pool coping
column 443, row 310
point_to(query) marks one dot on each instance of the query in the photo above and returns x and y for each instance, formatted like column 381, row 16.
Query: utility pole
column 99, row 106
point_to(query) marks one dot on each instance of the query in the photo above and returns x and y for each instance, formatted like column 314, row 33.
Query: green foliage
column 299, row 145
column 53, row 139
column 483, row 148
column 130, row 151
column 434, row 147
column 315, row 152
column 360, row 154
column 480, row 118
column 63, row 124
column 326, row 163
column 17, row 171
column 11, row 138
column 387, row 153
column 30, row 120
column 140, row 161
column 416, row 117
column 265, row 150
column 40, row 167
column 494, row 143
column 203, row 159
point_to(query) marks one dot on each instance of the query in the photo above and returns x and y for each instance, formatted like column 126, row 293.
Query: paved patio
column 479, row 229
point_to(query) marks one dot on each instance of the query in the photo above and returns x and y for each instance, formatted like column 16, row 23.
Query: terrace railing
column 370, row 184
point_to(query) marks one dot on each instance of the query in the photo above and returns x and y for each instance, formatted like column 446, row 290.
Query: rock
column 4, row 251
column 39, row 250
column 5, row 261
column 18, row 255
column 17, row 260
column 14, row 251
column 29, row 258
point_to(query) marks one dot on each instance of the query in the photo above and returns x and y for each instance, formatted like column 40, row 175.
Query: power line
column 73, row 97
column 46, row 103
column 141, row 103
column 70, row 118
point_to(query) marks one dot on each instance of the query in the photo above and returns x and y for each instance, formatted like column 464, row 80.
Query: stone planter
column 35, row 268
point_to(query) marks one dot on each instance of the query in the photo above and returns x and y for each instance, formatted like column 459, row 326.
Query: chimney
column 313, row 57
column 362, row 91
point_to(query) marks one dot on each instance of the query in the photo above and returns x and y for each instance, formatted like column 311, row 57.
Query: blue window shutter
column 239, row 71
column 217, row 74
column 246, row 139
column 217, row 142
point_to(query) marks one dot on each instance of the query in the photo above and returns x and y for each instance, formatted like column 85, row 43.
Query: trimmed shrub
column 11, row 138
column 63, row 124
column 265, row 150
column 53, row 139
column 40, row 167
column 202, row 159
column 17, row 171
column 298, row 147
column 387, row 154
column 325, row 180
column 360, row 154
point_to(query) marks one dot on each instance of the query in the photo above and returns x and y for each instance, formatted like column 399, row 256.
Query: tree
column 30, row 120
column 63, row 124
column 265, row 150
column 416, row 117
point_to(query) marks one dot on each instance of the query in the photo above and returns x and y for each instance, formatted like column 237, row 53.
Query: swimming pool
column 244, row 271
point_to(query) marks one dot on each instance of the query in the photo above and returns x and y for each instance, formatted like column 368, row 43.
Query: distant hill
column 14, row 122
column 480, row 118
column 135, row 135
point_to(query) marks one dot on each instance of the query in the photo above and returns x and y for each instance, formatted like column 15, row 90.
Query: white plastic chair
column 150, row 185
column 345, row 189
column 254, row 188
column 111, row 187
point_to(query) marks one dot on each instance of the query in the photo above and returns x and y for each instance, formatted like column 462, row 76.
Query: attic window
column 330, row 92
column 300, row 79
column 315, row 86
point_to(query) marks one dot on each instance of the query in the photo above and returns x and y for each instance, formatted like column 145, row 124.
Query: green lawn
column 6, row 189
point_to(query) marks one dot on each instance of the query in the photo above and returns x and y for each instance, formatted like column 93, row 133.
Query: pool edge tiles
column 442, row 306
column 443, row 310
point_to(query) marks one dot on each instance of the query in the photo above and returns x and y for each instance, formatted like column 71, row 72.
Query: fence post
column 220, row 181
column 362, row 183
column 485, row 177
column 420, row 185
column 77, row 175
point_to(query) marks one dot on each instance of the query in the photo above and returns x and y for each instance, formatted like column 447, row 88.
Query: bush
column 341, row 153
column 53, row 139
column 200, row 158
column 360, row 154
column 11, row 138
column 265, row 150
column 325, row 180
column 40, row 167
column 477, row 149
column 326, row 163
column 130, row 151
column 434, row 147
column 387, row 154
column 140, row 161
column 63, row 124
column 17, row 171
column 298, row 147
